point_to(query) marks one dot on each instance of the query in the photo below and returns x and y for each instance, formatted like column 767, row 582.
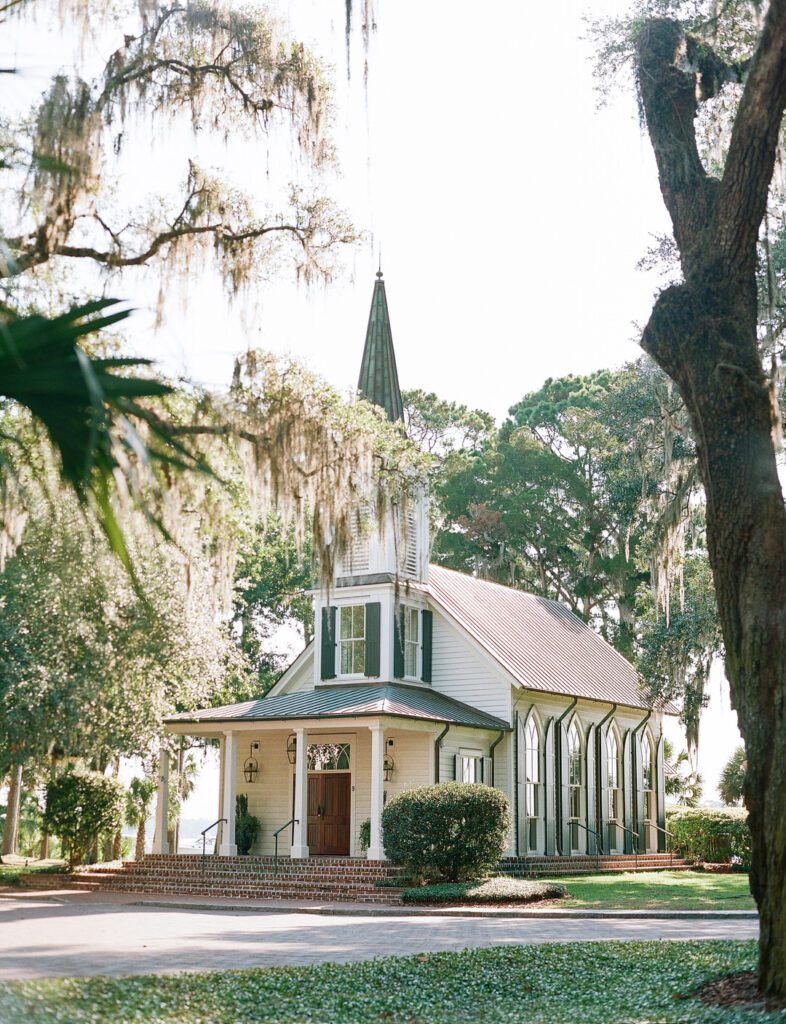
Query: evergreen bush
column 246, row 825
column 710, row 835
column 81, row 807
column 452, row 831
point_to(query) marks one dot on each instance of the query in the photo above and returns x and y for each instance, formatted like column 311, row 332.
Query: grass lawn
column 592, row 982
column 658, row 890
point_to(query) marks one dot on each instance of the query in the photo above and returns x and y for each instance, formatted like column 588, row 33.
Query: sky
column 509, row 210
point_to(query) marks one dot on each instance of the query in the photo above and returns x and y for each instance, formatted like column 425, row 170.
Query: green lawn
column 657, row 890
column 594, row 982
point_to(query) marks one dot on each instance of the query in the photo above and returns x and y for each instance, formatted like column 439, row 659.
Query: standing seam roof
column 542, row 644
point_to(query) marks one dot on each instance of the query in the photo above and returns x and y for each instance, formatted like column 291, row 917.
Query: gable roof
column 542, row 644
column 396, row 700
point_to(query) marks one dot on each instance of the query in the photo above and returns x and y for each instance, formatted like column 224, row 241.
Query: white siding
column 270, row 795
column 463, row 673
column 299, row 676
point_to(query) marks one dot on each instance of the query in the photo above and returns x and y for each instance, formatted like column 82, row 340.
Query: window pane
column 346, row 622
column 358, row 620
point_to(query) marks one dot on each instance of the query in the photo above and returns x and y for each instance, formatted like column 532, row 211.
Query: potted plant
column 246, row 825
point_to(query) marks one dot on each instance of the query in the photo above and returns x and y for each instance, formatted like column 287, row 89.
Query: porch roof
column 396, row 700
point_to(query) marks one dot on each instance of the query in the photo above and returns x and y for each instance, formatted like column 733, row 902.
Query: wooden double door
column 329, row 802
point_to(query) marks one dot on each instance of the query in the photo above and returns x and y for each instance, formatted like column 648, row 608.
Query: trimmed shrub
column 82, row 806
column 492, row 890
column 365, row 835
column 453, row 831
column 710, row 835
column 246, row 825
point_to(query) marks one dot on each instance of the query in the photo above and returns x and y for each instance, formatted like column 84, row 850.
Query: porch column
column 375, row 849
column 228, row 847
column 300, row 841
column 161, row 837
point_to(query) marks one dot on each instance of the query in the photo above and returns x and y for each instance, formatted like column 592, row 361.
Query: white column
column 228, row 847
column 375, row 849
column 300, row 842
column 161, row 837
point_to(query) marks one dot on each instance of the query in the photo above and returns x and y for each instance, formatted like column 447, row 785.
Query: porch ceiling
column 395, row 700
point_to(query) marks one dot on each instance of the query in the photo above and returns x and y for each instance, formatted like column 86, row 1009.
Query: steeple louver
column 378, row 381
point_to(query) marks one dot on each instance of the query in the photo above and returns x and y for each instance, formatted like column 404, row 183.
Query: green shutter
column 398, row 644
column 426, row 625
column 372, row 638
column 328, row 660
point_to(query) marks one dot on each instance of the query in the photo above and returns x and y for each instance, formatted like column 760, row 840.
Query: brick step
column 331, row 893
column 330, row 877
column 300, row 885
column 185, row 859
column 339, row 872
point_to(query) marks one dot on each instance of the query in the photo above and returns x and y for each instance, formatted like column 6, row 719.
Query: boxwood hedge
column 710, row 835
column 452, row 831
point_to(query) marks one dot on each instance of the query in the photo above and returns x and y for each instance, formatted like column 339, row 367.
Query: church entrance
column 329, row 801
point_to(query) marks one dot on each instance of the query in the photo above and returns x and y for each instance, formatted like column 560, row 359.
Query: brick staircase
column 528, row 867
column 314, row 878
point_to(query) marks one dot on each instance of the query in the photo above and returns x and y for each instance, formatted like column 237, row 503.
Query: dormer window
column 352, row 640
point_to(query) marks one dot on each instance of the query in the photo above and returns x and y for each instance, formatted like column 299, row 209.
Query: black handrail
column 204, row 839
column 292, row 821
column 666, row 832
column 636, row 843
column 598, row 842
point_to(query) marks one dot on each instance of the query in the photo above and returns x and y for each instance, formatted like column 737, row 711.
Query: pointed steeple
column 378, row 381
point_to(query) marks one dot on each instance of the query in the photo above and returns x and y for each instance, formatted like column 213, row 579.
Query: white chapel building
column 418, row 674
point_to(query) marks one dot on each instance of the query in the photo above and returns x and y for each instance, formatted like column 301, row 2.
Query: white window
column 614, row 769
column 470, row 768
column 411, row 641
column 532, row 782
column 352, row 640
column 648, row 774
column 575, row 782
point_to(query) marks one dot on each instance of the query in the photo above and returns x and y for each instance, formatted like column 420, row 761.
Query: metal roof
column 378, row 381
column 539, row 642
column 396, row 700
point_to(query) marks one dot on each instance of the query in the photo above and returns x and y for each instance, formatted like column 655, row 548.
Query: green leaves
column 90, row 408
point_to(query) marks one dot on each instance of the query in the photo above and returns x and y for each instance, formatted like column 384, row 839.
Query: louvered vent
column 410, row 560
column 356, row 558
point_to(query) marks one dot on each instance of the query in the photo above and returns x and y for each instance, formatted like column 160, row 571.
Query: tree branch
column 753, row 147
column 667, row 83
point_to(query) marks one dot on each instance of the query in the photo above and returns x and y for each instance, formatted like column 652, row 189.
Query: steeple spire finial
column 378, row 381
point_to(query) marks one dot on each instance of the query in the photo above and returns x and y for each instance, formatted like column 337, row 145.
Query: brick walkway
column 50, row 939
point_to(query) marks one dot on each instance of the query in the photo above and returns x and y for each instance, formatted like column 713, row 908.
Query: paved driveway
column 46, row 939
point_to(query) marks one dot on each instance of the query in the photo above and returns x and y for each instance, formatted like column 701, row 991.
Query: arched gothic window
column 614, row 784
column 532, row 780
column 648, row 776
column 575, row 782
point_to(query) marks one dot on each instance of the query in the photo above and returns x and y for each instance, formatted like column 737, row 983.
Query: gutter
column 492, row 748
column 438, row 748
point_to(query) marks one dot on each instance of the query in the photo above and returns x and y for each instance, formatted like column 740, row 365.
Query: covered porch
column 321, row 779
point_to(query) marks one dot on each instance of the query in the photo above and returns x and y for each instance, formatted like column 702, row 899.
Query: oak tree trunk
column 703, row 334
column 11, row 826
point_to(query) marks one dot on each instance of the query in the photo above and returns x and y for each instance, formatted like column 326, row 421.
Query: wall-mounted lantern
column 251, row 765
column 388, row 767
column 291, row 748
